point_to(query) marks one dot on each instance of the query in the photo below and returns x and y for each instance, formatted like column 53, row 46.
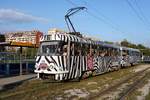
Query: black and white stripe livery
column 70, row 65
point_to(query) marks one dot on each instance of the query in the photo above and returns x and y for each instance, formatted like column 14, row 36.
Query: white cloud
column 8, row 16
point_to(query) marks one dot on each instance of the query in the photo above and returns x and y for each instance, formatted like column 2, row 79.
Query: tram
column 130, row 56
column 64, row 56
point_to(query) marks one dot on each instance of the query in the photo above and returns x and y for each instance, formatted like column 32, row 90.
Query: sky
column 106, row 20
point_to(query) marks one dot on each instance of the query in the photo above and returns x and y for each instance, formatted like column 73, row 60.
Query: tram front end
column 46, row 67
column 50, row 62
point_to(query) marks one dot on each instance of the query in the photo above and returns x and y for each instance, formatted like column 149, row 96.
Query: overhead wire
column 69, row 1
column 104, row 17
column 101, row 18
column 104, row 21
column 137, row 14
column 141, row 12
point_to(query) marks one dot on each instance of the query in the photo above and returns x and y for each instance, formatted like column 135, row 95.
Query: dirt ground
column 85, row 89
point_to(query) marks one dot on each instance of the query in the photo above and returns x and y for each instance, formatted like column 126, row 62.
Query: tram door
column 74, row 60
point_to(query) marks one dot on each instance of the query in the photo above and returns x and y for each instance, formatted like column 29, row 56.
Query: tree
column 142, row 48
column 125, row 43
column 108, row 42
column 30, row 52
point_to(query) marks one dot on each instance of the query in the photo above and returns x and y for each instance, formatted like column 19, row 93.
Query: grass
column 148, row 96
column 39, row 90
column 135, row 93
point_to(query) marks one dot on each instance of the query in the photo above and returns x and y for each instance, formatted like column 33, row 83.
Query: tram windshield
column 51, row 48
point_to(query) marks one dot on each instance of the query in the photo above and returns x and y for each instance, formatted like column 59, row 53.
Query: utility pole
column 20, row 60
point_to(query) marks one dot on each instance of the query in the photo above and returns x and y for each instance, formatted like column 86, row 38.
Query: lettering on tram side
column 90, row 62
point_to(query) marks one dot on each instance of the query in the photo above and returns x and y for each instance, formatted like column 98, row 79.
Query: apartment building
column 24, row 36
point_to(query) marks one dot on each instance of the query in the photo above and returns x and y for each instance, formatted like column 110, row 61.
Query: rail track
column 136, row 78
column 132, row 87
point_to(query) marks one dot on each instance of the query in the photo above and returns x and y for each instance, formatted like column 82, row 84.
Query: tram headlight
column 51, row 67
column 36, row 66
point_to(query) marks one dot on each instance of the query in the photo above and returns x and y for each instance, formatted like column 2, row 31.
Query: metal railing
column 15, row 63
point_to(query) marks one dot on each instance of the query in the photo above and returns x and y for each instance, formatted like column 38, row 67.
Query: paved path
column 4, row 82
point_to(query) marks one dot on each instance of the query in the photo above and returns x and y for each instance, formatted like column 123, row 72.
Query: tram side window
column 65, row 50
column 98, row 51
column 95, row 50
column 115, row 52
column 132, row 53
column 84, row 49
column 77, row 49
column 101, row 52
column 136, row 53
column 105, row 51
column 109, row 52
column 124, row 53
column 72, row 49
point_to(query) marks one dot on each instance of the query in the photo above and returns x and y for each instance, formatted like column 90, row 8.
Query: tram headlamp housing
column 36, row 66
column 51, row 67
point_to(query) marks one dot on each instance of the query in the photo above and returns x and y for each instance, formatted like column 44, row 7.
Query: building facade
column 2, row 39
column 55, row 30
column 24, row 36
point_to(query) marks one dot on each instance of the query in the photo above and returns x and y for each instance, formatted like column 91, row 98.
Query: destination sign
column 47, row 37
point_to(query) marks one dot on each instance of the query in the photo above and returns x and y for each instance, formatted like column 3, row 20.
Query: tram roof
column 73, row 38
column 130, row 49
column 65, row 37
column 111, row 45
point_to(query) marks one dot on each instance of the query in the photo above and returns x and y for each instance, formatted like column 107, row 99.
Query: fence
column 15, row 64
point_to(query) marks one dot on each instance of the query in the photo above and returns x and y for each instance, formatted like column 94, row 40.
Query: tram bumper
column 48, row 72
column 56, row 75
column 51, row 72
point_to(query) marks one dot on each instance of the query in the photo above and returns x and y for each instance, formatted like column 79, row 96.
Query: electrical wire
column 100, row 13
column 137, row 14
column 101, row 18
column 69, row 1
column 104, row 21
column 141, row 12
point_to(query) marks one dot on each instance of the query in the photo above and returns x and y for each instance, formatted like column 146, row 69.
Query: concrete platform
column 10, row 82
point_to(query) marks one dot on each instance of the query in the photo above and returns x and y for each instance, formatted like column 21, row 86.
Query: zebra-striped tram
column 63, row 56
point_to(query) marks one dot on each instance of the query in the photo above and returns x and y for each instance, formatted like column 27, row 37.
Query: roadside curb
column 14, row 84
